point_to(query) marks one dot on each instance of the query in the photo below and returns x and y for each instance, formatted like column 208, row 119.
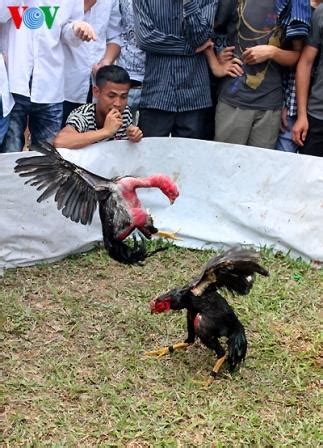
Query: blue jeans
column 44, row 122
column 4, row 123
column 284, row 141
column 134, row 101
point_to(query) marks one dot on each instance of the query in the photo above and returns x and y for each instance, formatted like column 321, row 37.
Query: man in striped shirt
column 107, row 119
column 176, row 87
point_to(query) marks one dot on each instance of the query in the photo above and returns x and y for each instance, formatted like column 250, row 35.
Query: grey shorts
column 247, row 126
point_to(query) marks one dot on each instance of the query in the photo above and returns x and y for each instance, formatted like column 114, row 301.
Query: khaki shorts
column 246, row 126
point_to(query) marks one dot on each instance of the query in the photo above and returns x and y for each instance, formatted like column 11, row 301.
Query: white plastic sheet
column 229, row 195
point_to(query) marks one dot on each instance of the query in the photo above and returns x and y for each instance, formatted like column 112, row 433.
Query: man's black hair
column 112, row 73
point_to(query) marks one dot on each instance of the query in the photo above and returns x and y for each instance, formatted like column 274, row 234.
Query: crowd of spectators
column 237, row 71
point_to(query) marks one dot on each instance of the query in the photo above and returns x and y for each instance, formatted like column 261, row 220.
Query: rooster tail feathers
column 237, row 347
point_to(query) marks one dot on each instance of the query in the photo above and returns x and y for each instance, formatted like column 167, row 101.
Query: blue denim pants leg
column 44, row 122
column 4, row 124
column 285, row 142
column 134, row 102
column 14, row 140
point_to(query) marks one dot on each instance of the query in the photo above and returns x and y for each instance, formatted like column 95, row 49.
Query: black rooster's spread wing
column 233, row 270
column 76, row 190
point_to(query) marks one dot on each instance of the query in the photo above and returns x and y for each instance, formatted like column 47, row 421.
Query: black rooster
column 209, row 316
column 78, row 191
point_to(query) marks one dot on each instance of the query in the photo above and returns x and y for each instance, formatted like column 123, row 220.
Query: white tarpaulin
column 229, row 195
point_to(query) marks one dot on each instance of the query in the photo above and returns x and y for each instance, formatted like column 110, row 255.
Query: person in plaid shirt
column 289, row 113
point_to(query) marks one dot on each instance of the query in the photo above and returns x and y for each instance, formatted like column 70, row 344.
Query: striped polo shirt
column 176, row 78
column 83, row 119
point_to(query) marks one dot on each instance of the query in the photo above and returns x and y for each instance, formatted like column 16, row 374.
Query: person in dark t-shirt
column 265, row 40
column 308, row 129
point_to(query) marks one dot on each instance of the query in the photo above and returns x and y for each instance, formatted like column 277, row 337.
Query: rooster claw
column 158, row 353
column 168, row 235
column 166, row 350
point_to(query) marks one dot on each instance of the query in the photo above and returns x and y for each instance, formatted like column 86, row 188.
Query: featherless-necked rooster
column 78, row 192
column 209, row 316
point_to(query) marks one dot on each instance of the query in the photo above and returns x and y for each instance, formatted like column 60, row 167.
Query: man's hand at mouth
column 113, row 122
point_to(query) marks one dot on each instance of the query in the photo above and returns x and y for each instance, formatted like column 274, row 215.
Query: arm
column 198, row 21
column 68, row 137
column 111, row 53
column 76, row 136
column 151, row 39
column 263, row 53
column 75, row 29
column 303, row 78
column 113, row 36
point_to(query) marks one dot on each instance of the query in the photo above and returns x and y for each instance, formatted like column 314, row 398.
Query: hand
column 231, row 68
column 113, row 122
column 284, row 120
column 225, row 55
column 257, row 54
column 84, row 31
column 207, row 44
column 134, row 134
column 299, row 131
column 100, row 64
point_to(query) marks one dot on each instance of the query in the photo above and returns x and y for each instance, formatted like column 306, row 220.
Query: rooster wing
column 233, row 270
column 77, row 191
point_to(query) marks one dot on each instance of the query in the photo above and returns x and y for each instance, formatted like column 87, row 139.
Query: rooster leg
column 166, row 350
column 167, row 235
column 221, row 355
column 213, row 374
column 218, row 365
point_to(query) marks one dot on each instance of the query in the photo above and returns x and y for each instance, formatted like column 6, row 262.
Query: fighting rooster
column 78, row 192
column 209, row 316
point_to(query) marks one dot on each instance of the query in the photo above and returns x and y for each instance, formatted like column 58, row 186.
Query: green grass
column 74, row 374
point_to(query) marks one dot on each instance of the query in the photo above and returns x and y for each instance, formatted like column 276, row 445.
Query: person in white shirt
column 36, row 67
column 82, row 62
column 6, row 99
